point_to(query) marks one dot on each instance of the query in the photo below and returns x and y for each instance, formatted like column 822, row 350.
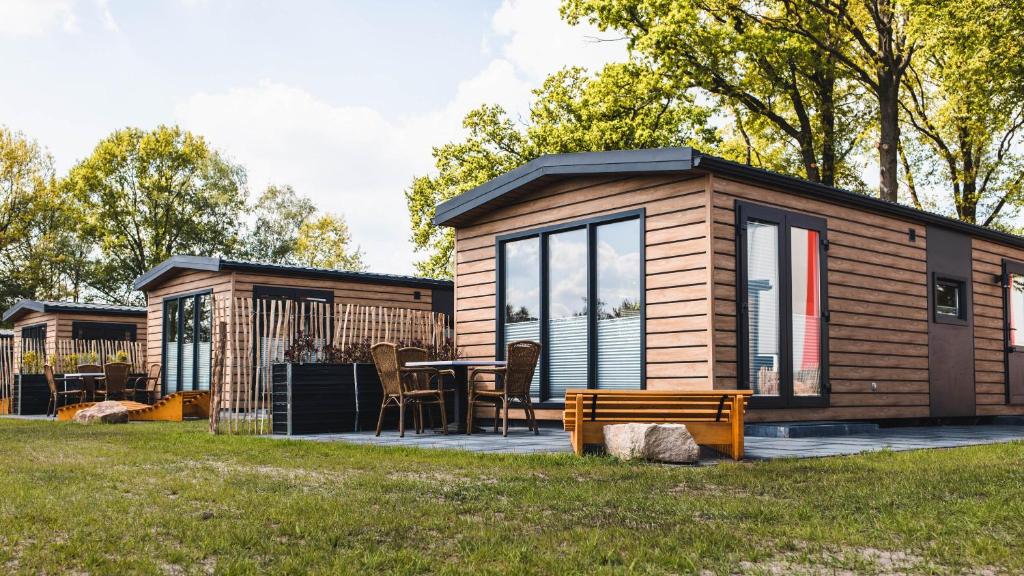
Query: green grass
column 171, row 498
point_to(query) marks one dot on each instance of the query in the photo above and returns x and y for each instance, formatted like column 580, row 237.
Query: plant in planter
column 31, row 363
column 119, row 356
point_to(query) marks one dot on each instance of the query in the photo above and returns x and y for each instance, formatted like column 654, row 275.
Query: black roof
column 175, row 264
column 26, row 306
column 512, row 185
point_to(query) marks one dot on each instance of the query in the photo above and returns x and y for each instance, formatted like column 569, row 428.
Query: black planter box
column 336, row 398
column 326, row 398
column 32, row 394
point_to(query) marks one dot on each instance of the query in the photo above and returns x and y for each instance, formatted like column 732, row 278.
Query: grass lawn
column 171, row 498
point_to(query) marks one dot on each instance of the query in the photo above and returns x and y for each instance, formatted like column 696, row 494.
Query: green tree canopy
column 147, row 195
column 325, row 242
column 626, row 106
column 280, row 213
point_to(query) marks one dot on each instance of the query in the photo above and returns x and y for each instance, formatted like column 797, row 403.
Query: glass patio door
column 1013, row 282
column 187, row 343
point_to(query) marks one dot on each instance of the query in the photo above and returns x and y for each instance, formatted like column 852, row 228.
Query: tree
column 42, row 254
column 325, row 242
column 625, row 106
column 280, row 214
column 150, row 195
column 963, row 96
column 778, row 86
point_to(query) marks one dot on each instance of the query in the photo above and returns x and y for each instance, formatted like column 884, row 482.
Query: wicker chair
column 148, row 385
column 422, row 380
column 89, row 382
column 55, row 394
column 514, row 384
column 399, row 389
column 115, row 377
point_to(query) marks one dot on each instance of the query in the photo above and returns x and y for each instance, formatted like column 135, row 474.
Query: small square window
column 949, row 299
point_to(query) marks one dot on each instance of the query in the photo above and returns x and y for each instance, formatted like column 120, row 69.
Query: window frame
column 40, row 328
column 1010, row 268
column 542, row 234
column 939, row 318
column 84, row 325
column 785, row 220
column 165, row 304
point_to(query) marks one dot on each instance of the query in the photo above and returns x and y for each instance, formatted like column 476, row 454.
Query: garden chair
column 512, row 383
column 422, row 380
column 148, row 385
column 55, row 394
column 398, row 389
column 89, row 382
column 115, row 380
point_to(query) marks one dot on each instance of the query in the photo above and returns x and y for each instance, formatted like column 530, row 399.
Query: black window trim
column 785, row 219
column 41, row 327
column 129, row 327
column 542, row 233
column 938, row 318
column 165, row 304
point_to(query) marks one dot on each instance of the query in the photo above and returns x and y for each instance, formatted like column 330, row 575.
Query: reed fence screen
column 250, row 335
column 6, row 375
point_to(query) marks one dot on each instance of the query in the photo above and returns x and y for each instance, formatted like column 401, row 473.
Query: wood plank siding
column 877, row 288
column 59, row 324
column 989, row 338
column 676, row 263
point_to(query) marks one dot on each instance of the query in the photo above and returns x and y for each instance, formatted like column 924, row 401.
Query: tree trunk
column 888, row 136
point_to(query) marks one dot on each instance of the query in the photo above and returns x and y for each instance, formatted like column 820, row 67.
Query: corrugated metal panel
column 618, row 353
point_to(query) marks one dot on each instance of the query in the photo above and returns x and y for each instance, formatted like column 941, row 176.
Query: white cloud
column 355, row 161
column 36, row 17
column 107, row 16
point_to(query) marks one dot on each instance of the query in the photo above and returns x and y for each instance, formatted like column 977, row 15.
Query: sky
column 342, row 100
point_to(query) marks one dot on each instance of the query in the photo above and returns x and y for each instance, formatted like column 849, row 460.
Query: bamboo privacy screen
column 65, row 354
column 251, row 335
column 6, row 375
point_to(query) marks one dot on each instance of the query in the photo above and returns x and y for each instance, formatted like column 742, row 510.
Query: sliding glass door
column 578, row 290
column 782, row 319
column 188, row 337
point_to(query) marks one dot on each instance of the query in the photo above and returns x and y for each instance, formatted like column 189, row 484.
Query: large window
column 782, row 294
column 104, row 331
column 188, row 336
column 578, row 290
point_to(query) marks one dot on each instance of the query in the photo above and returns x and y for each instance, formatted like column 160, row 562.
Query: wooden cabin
column 673, row 269
column 44, row 326
column 179, row 314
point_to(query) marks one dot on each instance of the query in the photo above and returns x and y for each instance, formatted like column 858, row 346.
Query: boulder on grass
column 108, row 412
column 659, row 442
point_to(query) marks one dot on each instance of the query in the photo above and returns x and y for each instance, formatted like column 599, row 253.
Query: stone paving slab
column 555, row 441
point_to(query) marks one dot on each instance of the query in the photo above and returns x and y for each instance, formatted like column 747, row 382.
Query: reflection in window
column 171, row 347
column 948, row 298
column 1016, row 304
column 618, row 305
column 763, row 305
column 204, row 343
column 567, row 311
column 522, row 295
column 806, row 303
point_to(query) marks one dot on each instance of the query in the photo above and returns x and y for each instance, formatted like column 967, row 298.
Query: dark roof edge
column 173, row 264
column 176, row 263
column 24, row 306
column 838, row 195
column 611, row 162
column 372, row 277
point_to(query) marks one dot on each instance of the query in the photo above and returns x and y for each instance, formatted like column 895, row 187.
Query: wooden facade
column 59, row 322
column 878, row 277
column 228, row 281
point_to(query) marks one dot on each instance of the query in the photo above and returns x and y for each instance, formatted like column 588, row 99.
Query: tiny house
column 41, row 326
column 180, row 291
column 673, row 269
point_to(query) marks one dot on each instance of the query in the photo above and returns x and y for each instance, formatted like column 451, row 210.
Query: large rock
column 108, row 412
column 660, row 442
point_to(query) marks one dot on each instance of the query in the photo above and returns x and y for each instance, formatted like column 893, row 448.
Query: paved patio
column 553, row 440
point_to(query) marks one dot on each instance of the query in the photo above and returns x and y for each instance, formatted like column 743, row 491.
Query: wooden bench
column 713, row 417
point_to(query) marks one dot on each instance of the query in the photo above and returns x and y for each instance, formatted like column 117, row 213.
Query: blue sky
column 343, row 100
